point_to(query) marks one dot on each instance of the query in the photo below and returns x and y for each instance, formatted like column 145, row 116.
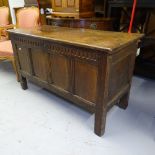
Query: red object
column 38, row 4
column 39, row 11
column 132, row 15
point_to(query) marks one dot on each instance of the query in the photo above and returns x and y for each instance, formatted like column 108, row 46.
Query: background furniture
column 88, row 67
column 4, row 3
column 117, row 7
column 6, row 52
column 5, row 23
column 26, row 18
column 88, row 23
column 73, row 8
column 145, row 62
column 128, row 3
column 29, row 3
column 143, row 23
column 66, row 18
column 42, row 3
column 101, row 7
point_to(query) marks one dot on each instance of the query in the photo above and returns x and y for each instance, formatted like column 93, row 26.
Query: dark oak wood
column 88, row 23
column 90, row 68
column 45, row 3
column 123, row 103
column 23, row 83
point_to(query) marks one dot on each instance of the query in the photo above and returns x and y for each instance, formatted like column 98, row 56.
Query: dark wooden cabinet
column 42, row 3
column 45, row 3
column 88, row 23
column 4, row 3
column 90, row 68
column 73, row 8
column 31, row 3
column 145, row 62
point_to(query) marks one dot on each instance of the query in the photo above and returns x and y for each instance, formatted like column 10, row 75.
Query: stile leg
column 23, row 83
column 102, row 95
column 100, row 121
column 123, row 103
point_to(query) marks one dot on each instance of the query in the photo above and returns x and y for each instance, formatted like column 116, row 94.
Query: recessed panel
column 24, row 61
column 70, row 3
column 58, row 3
column 41, row 64
column 85, row 81
column 60, row 71
column 119, row 76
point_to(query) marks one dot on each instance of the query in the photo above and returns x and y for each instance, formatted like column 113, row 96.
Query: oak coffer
column 90, row 68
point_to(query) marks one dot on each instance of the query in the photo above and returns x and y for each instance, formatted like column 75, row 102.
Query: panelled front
column 65, row 5
column 24, row 59
column 60, row 71
column 57, row 3
column 41, row 64
column 88, row 5
column 71, row 3
column 65, row 67
column 85, row 80
column 122, row 68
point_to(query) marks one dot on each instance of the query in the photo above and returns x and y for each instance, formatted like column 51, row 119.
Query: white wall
column 15, row 3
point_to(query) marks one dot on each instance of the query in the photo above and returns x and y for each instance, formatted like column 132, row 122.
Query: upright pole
column 132, row 15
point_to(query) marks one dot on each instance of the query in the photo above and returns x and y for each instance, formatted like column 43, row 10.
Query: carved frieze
column 57, row 48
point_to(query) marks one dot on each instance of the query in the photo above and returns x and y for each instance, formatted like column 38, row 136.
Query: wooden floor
column 27, row 118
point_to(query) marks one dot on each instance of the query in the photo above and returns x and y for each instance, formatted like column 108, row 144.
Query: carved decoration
column 72, row 51
column 28, row 41
column 56, row 48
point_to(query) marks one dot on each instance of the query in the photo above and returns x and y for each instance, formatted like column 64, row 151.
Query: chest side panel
column 121, row 70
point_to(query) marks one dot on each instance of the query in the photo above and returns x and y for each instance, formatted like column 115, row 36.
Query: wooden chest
column 73, row 8
column 90, row 68
column 88, row 23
